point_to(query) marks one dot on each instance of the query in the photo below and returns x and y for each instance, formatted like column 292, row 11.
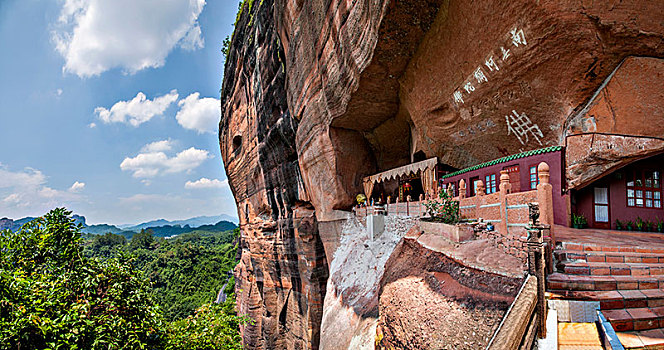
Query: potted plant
column 649, row 226
column 640, row 225
column 619, row 225
column 579, row 221
column 575, row 220
column 629, row 225
column 660, row 226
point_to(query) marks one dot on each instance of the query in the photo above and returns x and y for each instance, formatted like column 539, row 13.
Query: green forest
column 61, row 289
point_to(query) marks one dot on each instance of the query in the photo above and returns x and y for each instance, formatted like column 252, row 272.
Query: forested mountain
column 160, row 228
column 186, row 271
column 59, row 289
column 193, row 222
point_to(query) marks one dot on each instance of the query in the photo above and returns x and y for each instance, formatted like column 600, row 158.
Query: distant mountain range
column 6, row 223
column 161, row 227
column 193, row 222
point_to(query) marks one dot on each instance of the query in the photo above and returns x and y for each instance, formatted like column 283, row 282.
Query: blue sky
column 110, row 108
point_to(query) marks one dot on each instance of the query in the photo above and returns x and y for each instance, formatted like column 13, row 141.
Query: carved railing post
column 505, row 188
column 545, row 198
column 462, row 189
column 537, row 264
column 408, row 205
column 480, row 188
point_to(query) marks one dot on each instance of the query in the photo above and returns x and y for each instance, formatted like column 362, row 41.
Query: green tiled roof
column 505, row 159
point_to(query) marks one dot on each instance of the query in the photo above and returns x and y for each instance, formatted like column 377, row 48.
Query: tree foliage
column 210, row 327
column 445, row 209
column 53, row 295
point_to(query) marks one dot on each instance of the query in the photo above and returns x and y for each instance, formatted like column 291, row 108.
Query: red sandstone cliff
column 318, row 94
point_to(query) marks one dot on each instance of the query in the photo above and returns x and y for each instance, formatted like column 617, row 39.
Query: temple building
column 629, row 194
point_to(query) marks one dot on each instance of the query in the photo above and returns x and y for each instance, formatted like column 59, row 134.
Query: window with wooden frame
column 474, row 181
column 534, row 179
column 644, row 189
column 490, row 183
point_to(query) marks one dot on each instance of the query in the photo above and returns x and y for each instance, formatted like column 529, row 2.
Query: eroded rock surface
column 280, row 280
column 428, row 301
column 319, row 93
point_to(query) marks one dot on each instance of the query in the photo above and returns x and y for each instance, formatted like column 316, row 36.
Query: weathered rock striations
column 282, row 272
column 318, row 94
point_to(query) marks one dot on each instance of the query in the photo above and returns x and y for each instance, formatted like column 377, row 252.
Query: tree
column 142, row 240
column 52, row 296
column 209, row 328
column 105, row 245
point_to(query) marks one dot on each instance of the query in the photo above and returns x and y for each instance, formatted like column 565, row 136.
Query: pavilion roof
column 406, row 170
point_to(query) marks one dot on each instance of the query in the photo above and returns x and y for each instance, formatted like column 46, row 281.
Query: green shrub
column 53, row 297
column 579, row 221
column 211, row 327
column 640, row 224
column 444, row 210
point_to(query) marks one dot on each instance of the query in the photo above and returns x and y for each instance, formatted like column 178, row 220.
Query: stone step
column 646, row 339
column 610, row 248
column 614, row 299
column 635, row 319
column 610, row 268
column 602, row 256
column 560, row 281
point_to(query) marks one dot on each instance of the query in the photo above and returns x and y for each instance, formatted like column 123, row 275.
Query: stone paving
column 592, row 236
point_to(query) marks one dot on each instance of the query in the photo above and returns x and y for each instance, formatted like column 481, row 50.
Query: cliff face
column 282, row 273
column 318, row 94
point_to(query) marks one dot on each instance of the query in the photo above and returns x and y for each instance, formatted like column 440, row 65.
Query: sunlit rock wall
column 280, row 280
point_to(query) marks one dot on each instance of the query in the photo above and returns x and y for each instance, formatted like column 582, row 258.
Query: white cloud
column 94, row 36
column 205, row 183
column 158, row 146
column 58, row 92
column 26, row 193
column 77, row 186
column 13, row 198
column 200, row 114
column 92, row 125
column 28, row 178
column 137, row 110
column 150, row 164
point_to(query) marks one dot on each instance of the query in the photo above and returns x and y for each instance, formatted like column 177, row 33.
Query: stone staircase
column 627, row 281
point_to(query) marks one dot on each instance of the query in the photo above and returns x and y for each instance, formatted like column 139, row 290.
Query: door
column 601, row 217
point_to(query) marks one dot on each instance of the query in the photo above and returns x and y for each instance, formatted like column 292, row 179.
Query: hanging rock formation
column 318, row 94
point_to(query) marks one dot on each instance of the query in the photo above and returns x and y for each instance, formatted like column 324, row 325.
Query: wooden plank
column 514, row 325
